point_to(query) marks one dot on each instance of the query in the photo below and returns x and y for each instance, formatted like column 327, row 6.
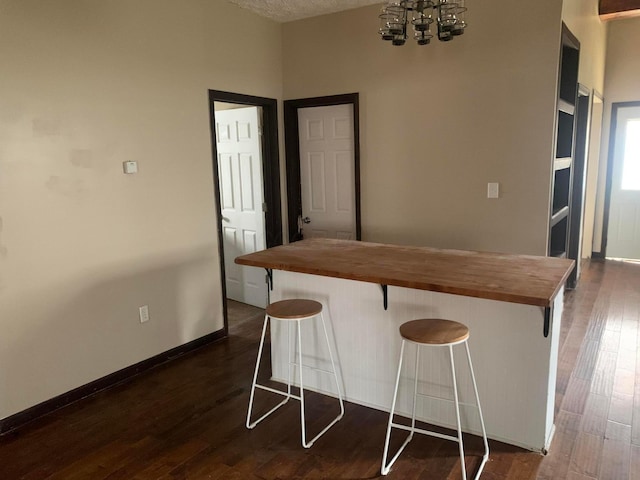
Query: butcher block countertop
column 524, row 279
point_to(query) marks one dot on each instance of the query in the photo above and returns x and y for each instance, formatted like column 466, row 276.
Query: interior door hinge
column 265, row 208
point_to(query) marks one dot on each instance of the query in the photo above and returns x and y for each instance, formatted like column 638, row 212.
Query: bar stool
column 434, row 333
column 294, row 311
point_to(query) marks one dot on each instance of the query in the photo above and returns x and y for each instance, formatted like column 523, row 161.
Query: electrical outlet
column 130, row 167
column 144, row 313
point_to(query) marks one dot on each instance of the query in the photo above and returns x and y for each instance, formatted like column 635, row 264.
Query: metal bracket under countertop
column 547, row 321
column 385, row 298
column 270, row 278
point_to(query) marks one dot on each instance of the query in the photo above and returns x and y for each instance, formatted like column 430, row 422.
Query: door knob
column 306, row 220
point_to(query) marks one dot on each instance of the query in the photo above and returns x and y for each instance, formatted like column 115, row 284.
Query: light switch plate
column 493, row 190
column 144, row 313
column 130, row 167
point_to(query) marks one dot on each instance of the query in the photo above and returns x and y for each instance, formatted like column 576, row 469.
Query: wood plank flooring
column 598, row 388
column 185, row 419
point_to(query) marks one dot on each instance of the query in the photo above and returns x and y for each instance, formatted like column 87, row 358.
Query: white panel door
column 327, row 171
column 241, row 198
column 623, row 237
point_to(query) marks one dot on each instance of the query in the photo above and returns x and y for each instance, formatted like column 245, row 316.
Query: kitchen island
column 512, row 305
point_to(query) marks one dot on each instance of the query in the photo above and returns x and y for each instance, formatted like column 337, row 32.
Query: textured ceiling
column 289, row 10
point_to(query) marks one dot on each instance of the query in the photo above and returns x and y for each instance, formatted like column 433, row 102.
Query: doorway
column 323, row 167
column 241, row 198
column 592, row 228
column 621, row 233
column 246, row 173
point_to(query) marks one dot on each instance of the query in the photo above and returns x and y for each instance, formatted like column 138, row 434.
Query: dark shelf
column 559, row 233
column 561, row 189
column 564, row 139
column 569, row 72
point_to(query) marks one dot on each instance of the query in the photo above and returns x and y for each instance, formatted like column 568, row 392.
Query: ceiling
column 289, row 10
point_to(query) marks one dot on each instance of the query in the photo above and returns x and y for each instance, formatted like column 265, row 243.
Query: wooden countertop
column 524, row 279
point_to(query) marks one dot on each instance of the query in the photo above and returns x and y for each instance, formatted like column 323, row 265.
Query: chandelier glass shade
column 401, row 17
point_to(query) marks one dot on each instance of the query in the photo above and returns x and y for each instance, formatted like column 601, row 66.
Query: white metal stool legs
column 300, row 366
column 254, row 384
column 386, row 467
column 332, row 372
column 485, row 457
column 456, row 402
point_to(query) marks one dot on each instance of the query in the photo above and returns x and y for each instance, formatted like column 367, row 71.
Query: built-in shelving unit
column 564, row 145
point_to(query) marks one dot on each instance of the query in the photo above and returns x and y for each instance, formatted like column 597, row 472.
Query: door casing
column 292, row 151
column 579, row 171
column 610, row 160
column 270, row 174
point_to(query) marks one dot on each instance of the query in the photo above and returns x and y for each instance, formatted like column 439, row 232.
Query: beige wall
column 621, row 85
column 440, row 122
column 581, row 17
column 84, row 87
column 623, row 61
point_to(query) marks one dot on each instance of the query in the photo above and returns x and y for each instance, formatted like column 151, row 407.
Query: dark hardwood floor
column 598, row 388
column 185, row 419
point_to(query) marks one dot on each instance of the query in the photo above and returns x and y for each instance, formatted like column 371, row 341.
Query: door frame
column 612, row 150
column 270, row 174
column 584, row 101
column 292, row 152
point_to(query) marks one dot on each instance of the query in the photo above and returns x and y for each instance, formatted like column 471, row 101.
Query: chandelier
column 399, row 16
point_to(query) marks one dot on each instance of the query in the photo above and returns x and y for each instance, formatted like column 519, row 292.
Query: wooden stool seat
column 434, row 331
column 294, row 309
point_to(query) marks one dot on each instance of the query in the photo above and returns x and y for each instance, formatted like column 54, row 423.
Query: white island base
column 515, row 365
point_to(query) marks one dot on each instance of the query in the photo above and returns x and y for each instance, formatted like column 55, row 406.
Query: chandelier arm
column 399, row 17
